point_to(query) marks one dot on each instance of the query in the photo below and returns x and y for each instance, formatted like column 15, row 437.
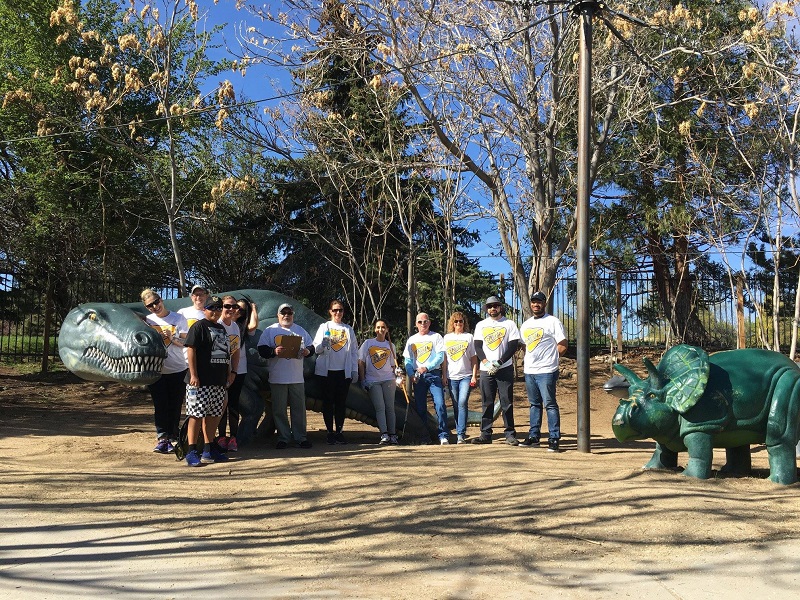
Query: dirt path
column 363, row 521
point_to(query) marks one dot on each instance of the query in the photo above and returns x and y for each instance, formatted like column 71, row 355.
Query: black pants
column 502, row 384
column 168, row 394
column 231, row 414
column 335, row 388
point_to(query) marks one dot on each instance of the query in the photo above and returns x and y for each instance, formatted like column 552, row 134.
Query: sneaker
column 222, row 442
column 163, row 446
column 305, row 444
column 461, row 440
column 232, row 445
column 512, row 440
column 533, row 442
column 393, row 440
column 281, row 445
column 482, row 440
column 340, row 439
column 331, row 438
column 444, row 442
column 384, row 439
column 193, row 459
column 212, row 456
column 552, row 445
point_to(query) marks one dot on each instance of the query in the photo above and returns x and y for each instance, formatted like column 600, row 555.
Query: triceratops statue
column 695, row 402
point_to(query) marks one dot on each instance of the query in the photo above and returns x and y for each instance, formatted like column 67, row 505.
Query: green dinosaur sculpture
column 111, row 342
column 695, row 402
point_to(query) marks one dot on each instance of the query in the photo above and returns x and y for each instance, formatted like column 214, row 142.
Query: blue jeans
column 432, row 380
column 459, row 392
column 541, row 388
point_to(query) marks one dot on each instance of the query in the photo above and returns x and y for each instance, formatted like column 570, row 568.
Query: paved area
column 101, row 560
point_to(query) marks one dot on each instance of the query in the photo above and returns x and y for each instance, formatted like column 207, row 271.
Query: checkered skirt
column 205, row 401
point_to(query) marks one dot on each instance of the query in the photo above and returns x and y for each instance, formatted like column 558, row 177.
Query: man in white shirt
column 496, row 341
column 545, row 342
column 286, row 383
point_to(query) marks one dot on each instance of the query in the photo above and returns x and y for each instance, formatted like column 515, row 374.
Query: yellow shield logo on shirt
column 422, row 351
column 493, row 337
column 455, row 349
column 234, row 341
column 166, row 332
column 378, row 356
column 532, row 337
column 338, row 339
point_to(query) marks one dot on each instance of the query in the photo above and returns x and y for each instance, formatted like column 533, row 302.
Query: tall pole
column 584, row 10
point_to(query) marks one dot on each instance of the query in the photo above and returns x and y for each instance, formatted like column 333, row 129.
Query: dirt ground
column 362, row 521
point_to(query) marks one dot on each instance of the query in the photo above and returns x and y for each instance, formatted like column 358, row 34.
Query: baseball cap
column 285, row 305
column 198, row 287
column 539, row 296
column 492, row 300
column 213, row 302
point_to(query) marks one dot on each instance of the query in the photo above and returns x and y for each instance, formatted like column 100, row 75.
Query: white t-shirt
column 459, row 349
column 423, row 350
column 192, row 314
column 379, row 362
column 284, row 370
column 171, row 326
column 541, row 337
column 235, row 340
column 343, row 353
column 496, row 336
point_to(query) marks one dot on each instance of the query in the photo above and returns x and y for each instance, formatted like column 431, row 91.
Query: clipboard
column 290, row 342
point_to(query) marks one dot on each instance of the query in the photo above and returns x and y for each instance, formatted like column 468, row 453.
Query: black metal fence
column 625, row 313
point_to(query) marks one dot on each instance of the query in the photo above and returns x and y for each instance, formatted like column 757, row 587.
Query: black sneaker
column 531, row 442
column 305, row 444
column 281, row 445
column 512, row 440
column 482, row 440
column 331, row 438
column 552, row 445
column 340, row 439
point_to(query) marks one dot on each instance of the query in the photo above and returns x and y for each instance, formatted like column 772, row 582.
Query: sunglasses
column 154, row 303
column 230, row 306
column 214, row 308
column 458, row 320
column 492, row 306
column 423, row 322
column 337, row 310
column 287, row 312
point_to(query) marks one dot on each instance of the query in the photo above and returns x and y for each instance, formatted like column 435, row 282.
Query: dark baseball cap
column 213, row 303
column 539, row 297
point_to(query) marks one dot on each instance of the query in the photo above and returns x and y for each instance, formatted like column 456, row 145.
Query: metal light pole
column 584, row 10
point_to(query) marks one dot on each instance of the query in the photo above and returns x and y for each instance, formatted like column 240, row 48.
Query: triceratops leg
column 738, row 461
column 782, row 463
column 663, row 458
column 701, row 453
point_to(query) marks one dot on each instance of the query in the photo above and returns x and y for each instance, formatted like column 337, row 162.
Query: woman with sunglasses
column 337, row 365
column 230, row 415
column 461, row 372
column 168, row 392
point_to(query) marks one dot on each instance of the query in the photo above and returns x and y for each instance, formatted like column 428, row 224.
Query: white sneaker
column 444, row 442
column 384, row 439
column 461, row 440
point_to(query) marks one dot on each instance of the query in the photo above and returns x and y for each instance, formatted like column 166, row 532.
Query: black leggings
column 335, row 387
column 231, row 414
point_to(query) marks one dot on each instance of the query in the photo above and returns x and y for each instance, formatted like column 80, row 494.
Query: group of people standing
column 206, row 366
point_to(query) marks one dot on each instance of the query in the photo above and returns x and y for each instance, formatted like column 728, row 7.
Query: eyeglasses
column 337, row 310
column 423, row 321
column 230, row 306
column 458, row 320
column 286, row 313
column 154, row 303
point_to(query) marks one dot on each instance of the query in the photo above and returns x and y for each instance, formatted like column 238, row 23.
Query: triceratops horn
column 632, row 377
column 656, row 382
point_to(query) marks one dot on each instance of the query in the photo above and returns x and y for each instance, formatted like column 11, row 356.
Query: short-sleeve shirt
column 235, row 339
column 170, row 326
column 212, row 352
column 378, row 360
column 496, row 336
column 459, row 349
column 284, row 370
column 421, row 350
column 541, row 338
